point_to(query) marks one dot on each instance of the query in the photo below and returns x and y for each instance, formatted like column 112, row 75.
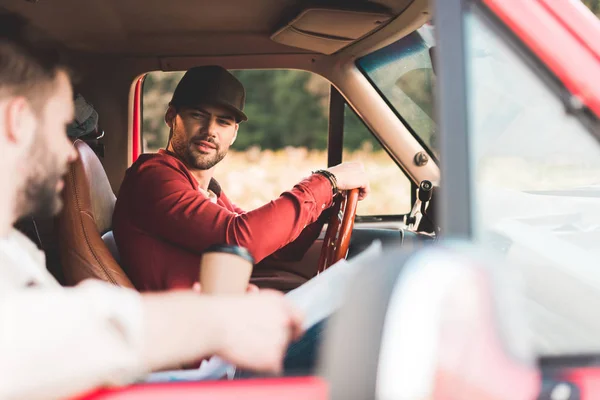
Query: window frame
column 335, row 144
column 337, row 107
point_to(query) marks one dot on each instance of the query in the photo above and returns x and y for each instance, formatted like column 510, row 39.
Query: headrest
column 85, row 121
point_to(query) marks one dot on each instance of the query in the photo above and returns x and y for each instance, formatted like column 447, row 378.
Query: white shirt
column 57, row 342
column 209, row 194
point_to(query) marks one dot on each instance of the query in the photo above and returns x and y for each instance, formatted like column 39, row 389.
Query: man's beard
column 39, row 196
column 194, row 158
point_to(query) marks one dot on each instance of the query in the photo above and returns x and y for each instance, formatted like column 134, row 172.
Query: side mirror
column 443, row 322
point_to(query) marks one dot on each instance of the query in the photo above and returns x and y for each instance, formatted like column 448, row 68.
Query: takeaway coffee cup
column 225, row 270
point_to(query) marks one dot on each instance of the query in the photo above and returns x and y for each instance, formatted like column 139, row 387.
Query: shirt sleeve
column 175, row 212
column 295, row 250
column 59, row 342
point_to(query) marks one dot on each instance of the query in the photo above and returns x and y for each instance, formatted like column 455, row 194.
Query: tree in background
column 284, row 108
column 594, row 6
column 157, row 91
column 281, row 111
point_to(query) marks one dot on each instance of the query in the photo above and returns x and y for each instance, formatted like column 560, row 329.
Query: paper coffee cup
column 225, row 270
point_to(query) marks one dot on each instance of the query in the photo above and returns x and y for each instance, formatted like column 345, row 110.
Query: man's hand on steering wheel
column 351, row 180
column 351, row 175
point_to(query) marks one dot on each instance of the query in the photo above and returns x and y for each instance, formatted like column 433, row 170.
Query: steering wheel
column 339, row 229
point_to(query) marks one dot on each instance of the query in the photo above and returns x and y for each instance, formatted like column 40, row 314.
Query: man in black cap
column 170, row 209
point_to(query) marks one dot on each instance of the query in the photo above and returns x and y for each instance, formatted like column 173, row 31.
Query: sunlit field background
column 252, row 178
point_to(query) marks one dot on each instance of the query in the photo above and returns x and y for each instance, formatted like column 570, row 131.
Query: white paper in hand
column 317, row 299
column 323, row 294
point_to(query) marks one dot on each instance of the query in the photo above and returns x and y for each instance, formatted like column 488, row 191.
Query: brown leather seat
column 86, row 245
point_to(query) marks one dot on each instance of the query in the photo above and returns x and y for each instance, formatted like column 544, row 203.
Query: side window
column 390, row 187
column 534, row 170
column 535, row 165
column 284, row 139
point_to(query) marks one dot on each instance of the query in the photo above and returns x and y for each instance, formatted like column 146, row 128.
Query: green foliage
column 284, row 108
column 593, row 5
column 356, row 134
column 281, row 111
column 157, row 90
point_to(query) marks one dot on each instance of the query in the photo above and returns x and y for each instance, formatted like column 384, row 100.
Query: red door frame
column 136, row 132
column 564, row 36
column 299, row 388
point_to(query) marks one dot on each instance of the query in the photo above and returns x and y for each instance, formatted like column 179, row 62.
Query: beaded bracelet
column 331, row 177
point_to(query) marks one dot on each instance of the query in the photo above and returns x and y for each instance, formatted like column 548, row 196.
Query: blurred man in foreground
column 58, row 342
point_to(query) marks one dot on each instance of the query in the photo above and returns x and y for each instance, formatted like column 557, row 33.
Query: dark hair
column 25, row 69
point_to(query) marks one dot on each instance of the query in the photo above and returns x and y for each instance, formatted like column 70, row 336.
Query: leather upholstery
column 86, row 245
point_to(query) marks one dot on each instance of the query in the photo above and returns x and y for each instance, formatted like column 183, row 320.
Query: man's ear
column 170, row 116
column 237, row 126
column 20, row 122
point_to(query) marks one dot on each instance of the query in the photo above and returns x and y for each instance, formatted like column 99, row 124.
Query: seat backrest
column 86, row 245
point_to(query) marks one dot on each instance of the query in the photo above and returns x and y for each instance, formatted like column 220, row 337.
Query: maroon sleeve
column 236, row 208
column 296, row 249
column 172, row 210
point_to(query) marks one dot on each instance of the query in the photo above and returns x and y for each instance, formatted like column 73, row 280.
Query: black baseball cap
column 212, row 85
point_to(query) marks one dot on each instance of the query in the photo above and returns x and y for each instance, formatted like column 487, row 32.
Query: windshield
column 403, row 74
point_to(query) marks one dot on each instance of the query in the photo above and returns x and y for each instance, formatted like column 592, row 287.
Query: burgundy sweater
column 162, row 223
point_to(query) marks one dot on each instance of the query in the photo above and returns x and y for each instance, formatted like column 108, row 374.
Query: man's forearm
column 58, row 342
column 250, row 331
column 183, row 217
column 179, row 327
